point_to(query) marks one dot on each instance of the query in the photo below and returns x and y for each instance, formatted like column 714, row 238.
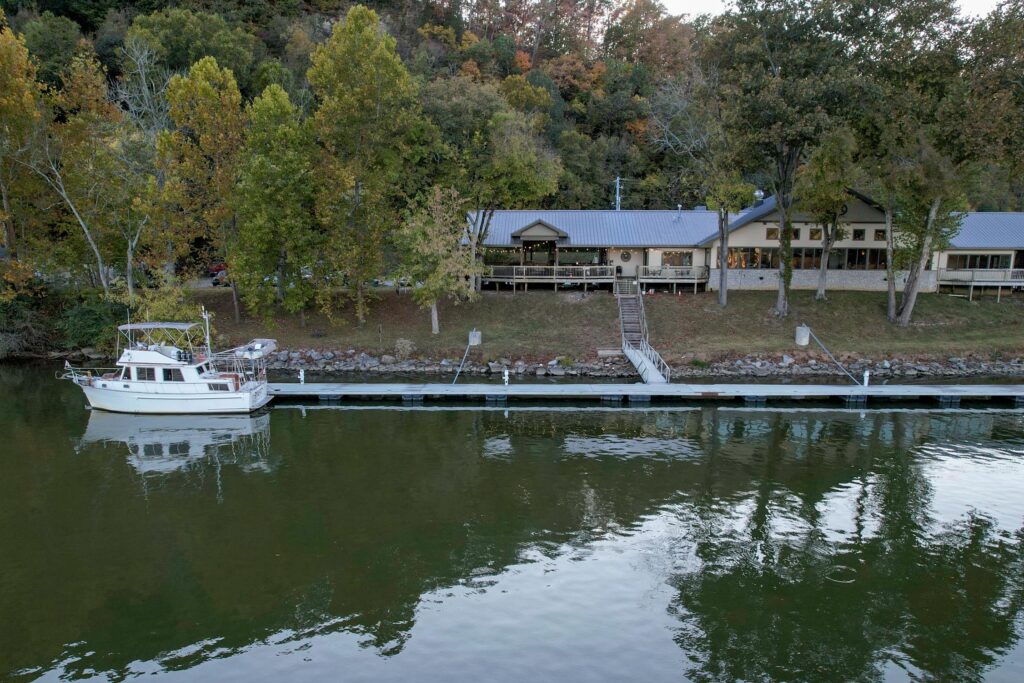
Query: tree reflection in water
column 775, row 595
column 811, row 544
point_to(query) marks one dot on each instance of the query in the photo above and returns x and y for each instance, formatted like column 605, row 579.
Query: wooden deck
column 944, row 394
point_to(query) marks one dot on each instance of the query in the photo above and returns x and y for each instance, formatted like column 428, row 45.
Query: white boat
column 163, row 371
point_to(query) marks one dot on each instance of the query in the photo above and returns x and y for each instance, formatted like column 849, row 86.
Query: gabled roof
column 542, row 224
column 635, row 229
column 990, row 230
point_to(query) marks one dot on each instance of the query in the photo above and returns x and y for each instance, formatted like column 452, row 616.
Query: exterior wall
column 628, row 267
column 838, row 280
column 753, row 235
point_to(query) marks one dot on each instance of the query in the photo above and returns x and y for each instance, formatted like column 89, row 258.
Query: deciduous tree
column 201, row 155
column 366, row 106
column 822, row 191
column 435, row 253
column 19, row 114
column 279, row 254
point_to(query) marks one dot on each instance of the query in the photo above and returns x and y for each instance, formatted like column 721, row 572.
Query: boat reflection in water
column 163, row 444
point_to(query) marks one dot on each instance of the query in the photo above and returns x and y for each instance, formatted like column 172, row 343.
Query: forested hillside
column 315, row 146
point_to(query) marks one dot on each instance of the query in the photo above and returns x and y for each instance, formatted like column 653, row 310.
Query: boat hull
column 205, row 403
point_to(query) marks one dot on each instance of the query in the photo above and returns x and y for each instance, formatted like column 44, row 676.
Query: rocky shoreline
column 803, row 363
column 798, row 364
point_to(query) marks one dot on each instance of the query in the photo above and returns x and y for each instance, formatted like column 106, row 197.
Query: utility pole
column 618, row 194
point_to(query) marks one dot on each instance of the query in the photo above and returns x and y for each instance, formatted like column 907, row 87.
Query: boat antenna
column 206, row 325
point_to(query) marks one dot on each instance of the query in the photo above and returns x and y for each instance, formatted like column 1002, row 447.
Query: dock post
column 1018, row 401
column 496, row 398
column 412, row 398
column 755, row 400
column 949, row 401
column 856, row 401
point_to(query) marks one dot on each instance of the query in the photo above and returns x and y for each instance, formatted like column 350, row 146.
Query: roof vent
column 758, row 197
column 679, row 210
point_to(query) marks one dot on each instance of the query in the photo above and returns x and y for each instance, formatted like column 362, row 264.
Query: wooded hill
column 315, row 146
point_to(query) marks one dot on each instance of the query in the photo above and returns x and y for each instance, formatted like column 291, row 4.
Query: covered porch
column 999, row 279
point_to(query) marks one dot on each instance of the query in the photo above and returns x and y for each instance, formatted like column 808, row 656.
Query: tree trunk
column 10, row 235
column 785, row 261
column 360, row 304
column 234, row 300
column 435, row 326
column 129, row 275
column 826, row 249
column 890, row 266
column 723, row 257
column 914, row 278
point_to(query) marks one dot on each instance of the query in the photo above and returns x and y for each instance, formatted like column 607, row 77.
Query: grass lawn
column 540, row 325
column 533, row 326
column 849, row 322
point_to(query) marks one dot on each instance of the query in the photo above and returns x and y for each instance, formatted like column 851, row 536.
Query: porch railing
column 982, row 275
column 677, row 273
column 551, row 273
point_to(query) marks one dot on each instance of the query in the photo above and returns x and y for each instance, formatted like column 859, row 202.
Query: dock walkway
column 948, row 395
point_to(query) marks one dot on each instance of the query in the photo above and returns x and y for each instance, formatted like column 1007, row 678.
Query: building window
column 145, row 374
column 880, row 235
column 816, row 234
column 796, row 233
column 217, row 387
column 746, row 258
column 173, row 375
column 978, row 261
column 771, row 233
column 858, row 235
column 678, row 259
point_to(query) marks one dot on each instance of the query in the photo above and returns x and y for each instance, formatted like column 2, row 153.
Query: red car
column 216, row 268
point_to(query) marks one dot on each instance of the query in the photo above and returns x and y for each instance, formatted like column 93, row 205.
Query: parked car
column 220, row 279
column 217, row 267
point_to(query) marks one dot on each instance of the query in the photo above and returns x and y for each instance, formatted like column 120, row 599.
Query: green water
column 383, row 544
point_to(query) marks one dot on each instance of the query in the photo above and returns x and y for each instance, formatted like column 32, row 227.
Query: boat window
column 218, row 387
column 179, row 448
column 145, row 374
column 173, row 375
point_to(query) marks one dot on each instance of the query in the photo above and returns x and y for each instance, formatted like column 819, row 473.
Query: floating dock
column 946, row 395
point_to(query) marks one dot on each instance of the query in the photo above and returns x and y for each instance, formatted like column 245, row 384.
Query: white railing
column 677, row 273
column 552, row 273
column 643, row 347
column 982, row 275
column 626, row 287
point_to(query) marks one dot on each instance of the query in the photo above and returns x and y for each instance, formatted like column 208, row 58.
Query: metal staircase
column 635, row 343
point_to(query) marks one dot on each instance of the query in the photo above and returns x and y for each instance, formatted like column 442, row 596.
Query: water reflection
column 708, row 543
column 162, row 444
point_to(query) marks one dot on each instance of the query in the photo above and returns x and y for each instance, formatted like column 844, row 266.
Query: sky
column 692, row 7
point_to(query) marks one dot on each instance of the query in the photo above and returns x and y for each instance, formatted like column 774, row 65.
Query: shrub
column 91, row 322
column 23, row 327
column 404, row 348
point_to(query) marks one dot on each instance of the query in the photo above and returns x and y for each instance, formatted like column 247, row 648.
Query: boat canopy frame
column 179, row 335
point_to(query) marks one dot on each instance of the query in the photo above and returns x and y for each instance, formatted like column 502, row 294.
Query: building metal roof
column 636, row 229
column 990, row 230
column 699, row 228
